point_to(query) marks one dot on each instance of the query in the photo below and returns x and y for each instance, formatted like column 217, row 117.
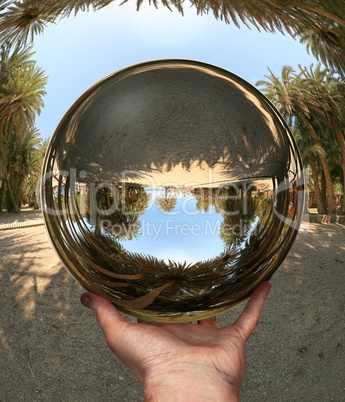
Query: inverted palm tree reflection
column 172, row 188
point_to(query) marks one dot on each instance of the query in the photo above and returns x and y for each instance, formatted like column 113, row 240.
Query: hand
column 182, row 362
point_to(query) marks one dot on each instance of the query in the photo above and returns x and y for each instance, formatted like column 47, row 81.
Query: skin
column 178, row 362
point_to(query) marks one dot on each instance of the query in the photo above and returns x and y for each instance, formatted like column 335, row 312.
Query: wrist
column 177, row 386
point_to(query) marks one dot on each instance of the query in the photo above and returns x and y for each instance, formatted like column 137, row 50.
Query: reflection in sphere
column 173, row 188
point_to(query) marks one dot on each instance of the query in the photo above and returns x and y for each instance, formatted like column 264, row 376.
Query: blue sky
column 184, row 234
column 77, row 52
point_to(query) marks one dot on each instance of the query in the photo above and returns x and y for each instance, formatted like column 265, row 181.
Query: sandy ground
column 51, row 348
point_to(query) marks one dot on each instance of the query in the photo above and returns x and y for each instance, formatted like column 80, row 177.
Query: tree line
column 312, row 102
column 22, row 87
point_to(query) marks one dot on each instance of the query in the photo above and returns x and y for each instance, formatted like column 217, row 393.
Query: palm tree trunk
column 341, row 143
column 2, row 192
column 16, row 207
column 317, row 192
column 323, row 189
column 329, row 183
column 20, row 191
column 309, row 7
column 320, row 11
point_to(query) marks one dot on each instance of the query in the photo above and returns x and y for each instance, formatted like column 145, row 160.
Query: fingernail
column 85, row 301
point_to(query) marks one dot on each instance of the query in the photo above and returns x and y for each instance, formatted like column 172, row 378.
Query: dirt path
column 52, row 350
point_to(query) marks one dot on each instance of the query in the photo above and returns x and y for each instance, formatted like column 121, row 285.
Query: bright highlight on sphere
column 173, row 188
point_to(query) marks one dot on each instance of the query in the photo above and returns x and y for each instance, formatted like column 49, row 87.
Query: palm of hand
column 169, row 348
column 154, row 350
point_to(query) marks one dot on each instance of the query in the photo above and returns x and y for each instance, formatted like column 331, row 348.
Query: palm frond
column 22, row 90
column 20, row 22
column 326, row 46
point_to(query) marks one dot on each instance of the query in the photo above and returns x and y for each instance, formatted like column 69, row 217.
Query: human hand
column 182, row 362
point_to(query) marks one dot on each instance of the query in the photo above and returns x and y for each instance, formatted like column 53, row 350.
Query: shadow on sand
column 52, row 349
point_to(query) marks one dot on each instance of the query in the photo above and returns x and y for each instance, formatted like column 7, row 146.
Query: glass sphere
column 173, row 188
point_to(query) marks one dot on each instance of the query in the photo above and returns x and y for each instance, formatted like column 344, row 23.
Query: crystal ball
column 173, row 188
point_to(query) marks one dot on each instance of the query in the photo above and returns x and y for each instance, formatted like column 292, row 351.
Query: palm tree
column 204, row 198
column 296, row 100
column 30, row 187
column 21, row 162
column 327, row 47
column 21, row 92
column 335, row 91
column 330, row 92
column 21, row 89
column 20, row 21
column 309, row 152
column 168, row 202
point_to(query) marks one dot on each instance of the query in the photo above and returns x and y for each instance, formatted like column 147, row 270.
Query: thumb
column 250, row 316
column 108, row 317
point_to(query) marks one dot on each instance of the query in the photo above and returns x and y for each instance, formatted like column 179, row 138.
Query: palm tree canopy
column 284, row 93
column 324, row 20
column 312, row 100
column 22, row 152
column 326, row 46
column 22, row 85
